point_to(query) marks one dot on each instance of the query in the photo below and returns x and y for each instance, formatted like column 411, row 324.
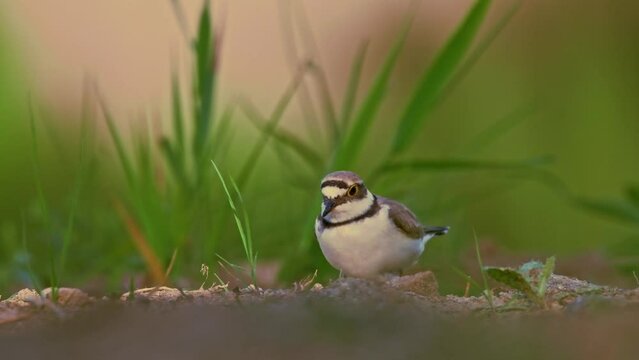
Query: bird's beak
column 328, row 206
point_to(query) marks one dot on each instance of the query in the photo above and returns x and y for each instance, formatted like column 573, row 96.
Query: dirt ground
column 394, row 317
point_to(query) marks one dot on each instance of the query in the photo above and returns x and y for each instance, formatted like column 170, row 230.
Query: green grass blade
column 487, row 291
column 269, row 129
column 465, row 276
column 447, row 165
column 55, row 284
column 243, row 228
column 178, row 11
column 142, row 147
column 42, row 201
column 290, row 140
column 37, row 169
column 178, row 119
column 251, row 257
column 204, row 47
column 222, row 129
column 353, row 142
column 482, row 45
column 291, row 53
column 226, row 189
column 326, row 101
column 247, row 242
column 496, row 130
column 350, row 96
column 131, row 295
column 117, row 141
column 617, row 210
column 32, row 275
column 77, row 191
column 284, row 137
column 434, row 80
column 227, row 262
column 173, row 159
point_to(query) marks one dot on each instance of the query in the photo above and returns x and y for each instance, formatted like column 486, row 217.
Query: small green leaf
column 515, row 280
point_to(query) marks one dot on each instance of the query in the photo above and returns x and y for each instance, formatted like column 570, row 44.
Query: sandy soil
column 398, row 317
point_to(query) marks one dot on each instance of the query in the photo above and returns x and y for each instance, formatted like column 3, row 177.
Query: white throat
column 350, row 210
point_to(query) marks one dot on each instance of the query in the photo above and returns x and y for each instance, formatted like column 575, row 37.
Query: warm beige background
column 129, row 46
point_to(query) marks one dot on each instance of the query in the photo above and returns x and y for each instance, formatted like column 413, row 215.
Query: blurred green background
column 559, row 83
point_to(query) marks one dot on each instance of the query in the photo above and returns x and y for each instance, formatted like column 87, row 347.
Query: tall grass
column 168, row 203
column 181, row 210
column 57, row 257
column 358, row 118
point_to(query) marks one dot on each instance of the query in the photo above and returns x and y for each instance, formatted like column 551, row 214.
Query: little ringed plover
column 364, row 235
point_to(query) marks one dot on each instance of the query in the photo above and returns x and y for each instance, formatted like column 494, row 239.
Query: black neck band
column 372, row 210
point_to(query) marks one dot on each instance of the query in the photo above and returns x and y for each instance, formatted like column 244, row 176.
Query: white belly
column 369, row 247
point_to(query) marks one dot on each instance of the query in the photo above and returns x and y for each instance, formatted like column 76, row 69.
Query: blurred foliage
column 625, row 252
column 459, row 147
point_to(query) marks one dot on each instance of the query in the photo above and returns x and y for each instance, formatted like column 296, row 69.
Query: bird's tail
column 436, row 230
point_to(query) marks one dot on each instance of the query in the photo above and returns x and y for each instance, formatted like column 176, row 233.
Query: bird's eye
column 352, row 191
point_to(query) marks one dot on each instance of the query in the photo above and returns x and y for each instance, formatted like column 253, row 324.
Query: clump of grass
column 347, row 136
column 162, row 213
column 168, row 203
column 57, row 258
column 171, row 211
column 35, row 160
column 242, row 223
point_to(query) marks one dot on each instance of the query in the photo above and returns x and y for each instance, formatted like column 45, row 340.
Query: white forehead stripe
column 332, row 192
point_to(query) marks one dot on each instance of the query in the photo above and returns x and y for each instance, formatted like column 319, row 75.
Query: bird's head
column 344, row 196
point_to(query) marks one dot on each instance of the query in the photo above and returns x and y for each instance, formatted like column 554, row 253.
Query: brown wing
column 403, row 218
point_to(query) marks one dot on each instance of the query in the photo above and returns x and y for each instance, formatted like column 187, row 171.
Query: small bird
column 364, row 235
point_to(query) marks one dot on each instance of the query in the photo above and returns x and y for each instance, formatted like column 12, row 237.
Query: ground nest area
column 398, row 317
